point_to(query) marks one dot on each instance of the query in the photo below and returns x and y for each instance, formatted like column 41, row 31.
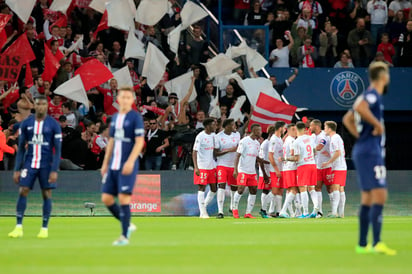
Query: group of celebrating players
column 292, row 158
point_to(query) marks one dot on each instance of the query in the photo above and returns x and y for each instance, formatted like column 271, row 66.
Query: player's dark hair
column 291, row 125
column 300, row 126
column 317, row 122
column 227, row 122
column 376, row 69
column 208, row 121
column 279, row 124
column 252, row 127
column 332, row 125
column 271, row 129
column 41, row 97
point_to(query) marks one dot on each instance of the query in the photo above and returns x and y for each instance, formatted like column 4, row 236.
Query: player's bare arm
column 273, row 163
column 137, row 149
column 362, row 107
column 218, row 152
column 194, row 157
column 262, row 167
column 108, row 155
column 235, row 172
column 349, row 122
column 334, row 157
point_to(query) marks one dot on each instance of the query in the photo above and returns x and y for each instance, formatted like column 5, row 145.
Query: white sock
column 342, row 202
column 288, row 201
column 290, row 208
column 335, row 201
column 201, row 202
column 305, row 202
column 209, row 197
column 220, row 199
column 251, row 199
column 236, row 200
column 232, row 195
column 320, row 201
column 314, row 197
column 271, row 198
column 278, row 202
column 264, row 200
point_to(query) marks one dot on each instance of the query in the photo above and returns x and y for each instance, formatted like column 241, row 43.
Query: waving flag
column 255, row 86
column 4, row 19
column 60, row 5
column 173, row 38
column 180, row 85
column 150, row 12
column 220, row 65
column 22, row 8
column 120, row 14
column 102, row 25
column 269, row 110
column 98, row 5
column 93, row 74
column 134, row 47
column 154, row 65
column 51, row 64
column 191, row 13
column 73, row 89
column 123, row 77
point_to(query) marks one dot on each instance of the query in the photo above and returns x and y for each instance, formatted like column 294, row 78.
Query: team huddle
column 293, row 159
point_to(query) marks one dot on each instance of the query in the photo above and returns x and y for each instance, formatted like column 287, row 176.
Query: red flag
column 82, row 3
column 61, row 22
column 269, row 110
column 14, row 57
column 59, row 55
column 4, row 19
column 93, row 73
column 12, row 97
column 28, row 82
column 102, row 25
column 51, row 64
column 3, row 38
column 156, row 110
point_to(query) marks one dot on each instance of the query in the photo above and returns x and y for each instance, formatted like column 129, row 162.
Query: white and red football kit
column 248, row 150
column 322, row 156
column 306, row 171
column 226, row 162
column 204, row 145
column 276, row 147
column 339, row 168
column 289, row 168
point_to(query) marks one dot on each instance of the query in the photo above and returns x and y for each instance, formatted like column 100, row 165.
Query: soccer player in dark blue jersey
column 365, row 122
column 120, row 166
column 38, row 157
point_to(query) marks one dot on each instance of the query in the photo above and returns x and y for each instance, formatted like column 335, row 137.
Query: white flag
column 236, row 51
column 254, row 59
column 98, row 5
column 191, row 13
column 120, row 14
column 180, row 85
column 235, row 112
column 154, row 65
column 134, row 47
column 78, row 44
column 220, row 65
column 150, row 12
column 73, row 90
column 60, row 5
column 214, row 109
column 173, row 38
column 22, row 8
column 254, row 86
column 123, row 77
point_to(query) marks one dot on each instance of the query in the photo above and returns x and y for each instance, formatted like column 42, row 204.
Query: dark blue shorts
column 115, row 183
column 370, row 169
column 29, row 175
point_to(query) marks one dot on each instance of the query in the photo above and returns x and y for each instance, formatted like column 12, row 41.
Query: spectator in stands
column 359, row 41
column 359, row 11
column 37, row 48
column 307, row 54
column 4, row 148
column 206, row 97
column 396, row 27
column 55, row 107
column 38, row 14
column 109, row 97
column 299, row 34
column 70, row 117
column 37, row 87
column 280, row 25
column 378, row 10
column 200, row 117
column 398, row 5
column 12, row 141
column 229, row 99
column 241, row 8
column 344, row 61
column 279, row 57
column 156, row 142
column 305, row 20
column 405, row 43
column 280, row 88
column 64, row 73
column 256, row 16
column 380, row 57
column 55, row 32
column 151, row 37
column 116, row 58
column 315, row 9
column 386, row 48
column 197, row 47
column 328, row 42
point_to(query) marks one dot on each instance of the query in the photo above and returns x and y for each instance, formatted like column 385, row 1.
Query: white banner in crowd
column 60, row 5
column 180, row 85
column 123, row 77
column 120, row 14
column 73, row 89
column 220, row 65
column 173, row 38
column 134, row 47
column 191, row 13
column 235, row 112
column 98, row 5
column 255, row 60
column 150, row 12
column 154, row 65
column 236, row 51
column 22, row 8
column 254, row 86
column 77, row 45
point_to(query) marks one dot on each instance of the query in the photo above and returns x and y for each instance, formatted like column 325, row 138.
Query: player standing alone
column 366, row 123
column 38, row 157
column 120, row 165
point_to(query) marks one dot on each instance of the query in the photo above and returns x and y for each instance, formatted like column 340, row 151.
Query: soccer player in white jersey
column 289, row 172
column 245, row 171
column 276, row 152
column 226, row 143
column 339, row 169
column 264, row 174
column 205, row 169
column 303, row 155
column 322, row 142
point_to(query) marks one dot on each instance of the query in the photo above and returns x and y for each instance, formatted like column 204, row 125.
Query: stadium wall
column 171, row 193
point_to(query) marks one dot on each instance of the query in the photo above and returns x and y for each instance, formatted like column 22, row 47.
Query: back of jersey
column 303, row 146
column 367, row 142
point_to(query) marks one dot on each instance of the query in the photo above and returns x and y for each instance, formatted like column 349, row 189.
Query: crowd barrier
column 171, row 193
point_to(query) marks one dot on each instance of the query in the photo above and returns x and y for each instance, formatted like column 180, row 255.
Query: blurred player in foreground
column 38, row 157
column 120, row 165
column 365, row 122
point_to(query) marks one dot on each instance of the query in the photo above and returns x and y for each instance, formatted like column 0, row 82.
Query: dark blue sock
column 125, row 218
column 115, row 210
column 47, row 208
column 20, row 208
column 363, row 225
column 376, row 220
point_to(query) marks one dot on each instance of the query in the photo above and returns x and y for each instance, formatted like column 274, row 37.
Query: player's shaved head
column 252, row 127
column 332, row 125
column 125, row 88
column 300, row 126
column 317, row 122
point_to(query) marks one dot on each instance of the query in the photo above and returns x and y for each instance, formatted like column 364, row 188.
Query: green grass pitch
column 190, row 245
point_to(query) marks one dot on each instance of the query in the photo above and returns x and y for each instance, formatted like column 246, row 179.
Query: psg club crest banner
column 345, row 87
column 146, row 195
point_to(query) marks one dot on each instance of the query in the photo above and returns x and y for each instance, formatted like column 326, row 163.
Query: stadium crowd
column 339, row 33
